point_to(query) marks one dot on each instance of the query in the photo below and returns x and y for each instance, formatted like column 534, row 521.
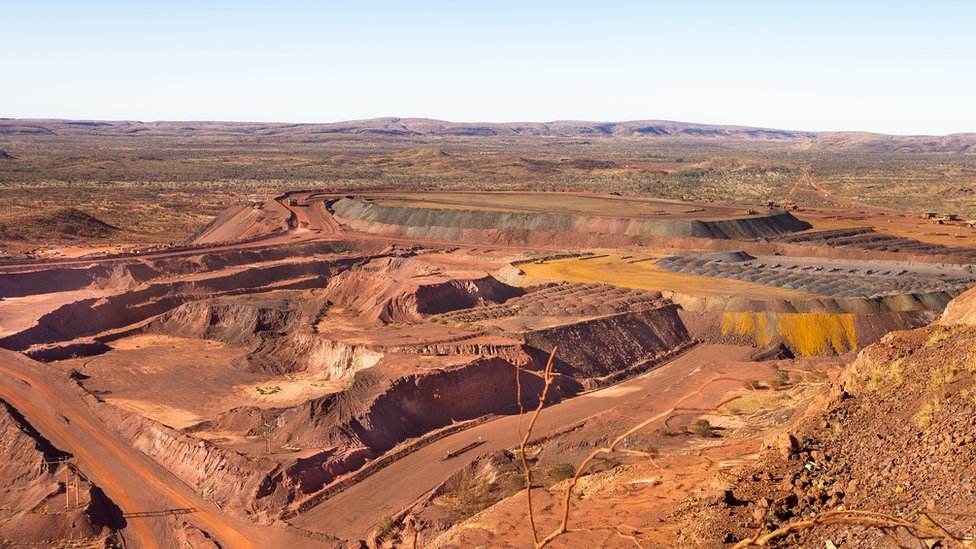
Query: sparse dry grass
column 159, row 187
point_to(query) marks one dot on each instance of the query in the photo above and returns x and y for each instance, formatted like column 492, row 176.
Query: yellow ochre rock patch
column 809, row 334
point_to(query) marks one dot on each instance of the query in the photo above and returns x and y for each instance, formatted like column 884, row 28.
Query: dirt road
column 129, row 478
column 694, row 380
column 313, row 223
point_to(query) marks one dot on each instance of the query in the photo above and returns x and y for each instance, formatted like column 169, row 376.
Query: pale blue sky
column 896, row 67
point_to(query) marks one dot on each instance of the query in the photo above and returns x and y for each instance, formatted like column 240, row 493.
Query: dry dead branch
column 884, row 522
column 413, row 532
column 547, row 377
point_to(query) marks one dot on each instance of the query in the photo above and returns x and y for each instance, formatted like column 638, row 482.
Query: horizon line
column 475, row 122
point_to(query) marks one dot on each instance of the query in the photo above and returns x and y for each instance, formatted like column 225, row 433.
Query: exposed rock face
column 601, row 330
column 13, row 284
column 230, row 319
column 461, row 225
column 606, row 345
column 33, row 491
column 278, row 328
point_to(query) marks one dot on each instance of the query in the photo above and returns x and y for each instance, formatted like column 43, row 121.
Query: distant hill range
column 423, row 127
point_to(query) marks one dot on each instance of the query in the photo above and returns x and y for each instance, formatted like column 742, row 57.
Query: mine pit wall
column 804, row 334
column 387, row 299
column 92, row 316
column 603, row 346
column 120, row 276
column 420, row 403
column 507, row 351
column 235, row 322
column 260, row 328
column 130, row 273
column 463, row 294
column 312, row 354
column 528, row 228
column 24, row 456
column 808, row 327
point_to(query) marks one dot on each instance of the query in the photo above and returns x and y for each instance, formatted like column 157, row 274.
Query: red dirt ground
column 364, row 345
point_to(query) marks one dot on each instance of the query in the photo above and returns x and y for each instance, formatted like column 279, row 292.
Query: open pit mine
column 334, row 367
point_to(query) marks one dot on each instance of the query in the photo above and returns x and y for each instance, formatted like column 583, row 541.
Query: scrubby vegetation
column 561, row 471
column 703, row 428
column 160, row 187
column 777, row 379
column 384, row 528
column 471, row 496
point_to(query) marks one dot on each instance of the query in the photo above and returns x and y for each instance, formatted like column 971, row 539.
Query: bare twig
column 853, row 518
column 547, row 378
column 413, row 533
column 630, row 537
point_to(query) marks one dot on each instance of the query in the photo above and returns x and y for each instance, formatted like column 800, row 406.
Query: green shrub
column 777, row 379
column 667, row 432
column 384, row 528
column 702, row 428
column 515, row 480
column 470, row 498
column 561, row 471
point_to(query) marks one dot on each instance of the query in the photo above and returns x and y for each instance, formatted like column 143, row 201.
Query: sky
column 892, row 67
